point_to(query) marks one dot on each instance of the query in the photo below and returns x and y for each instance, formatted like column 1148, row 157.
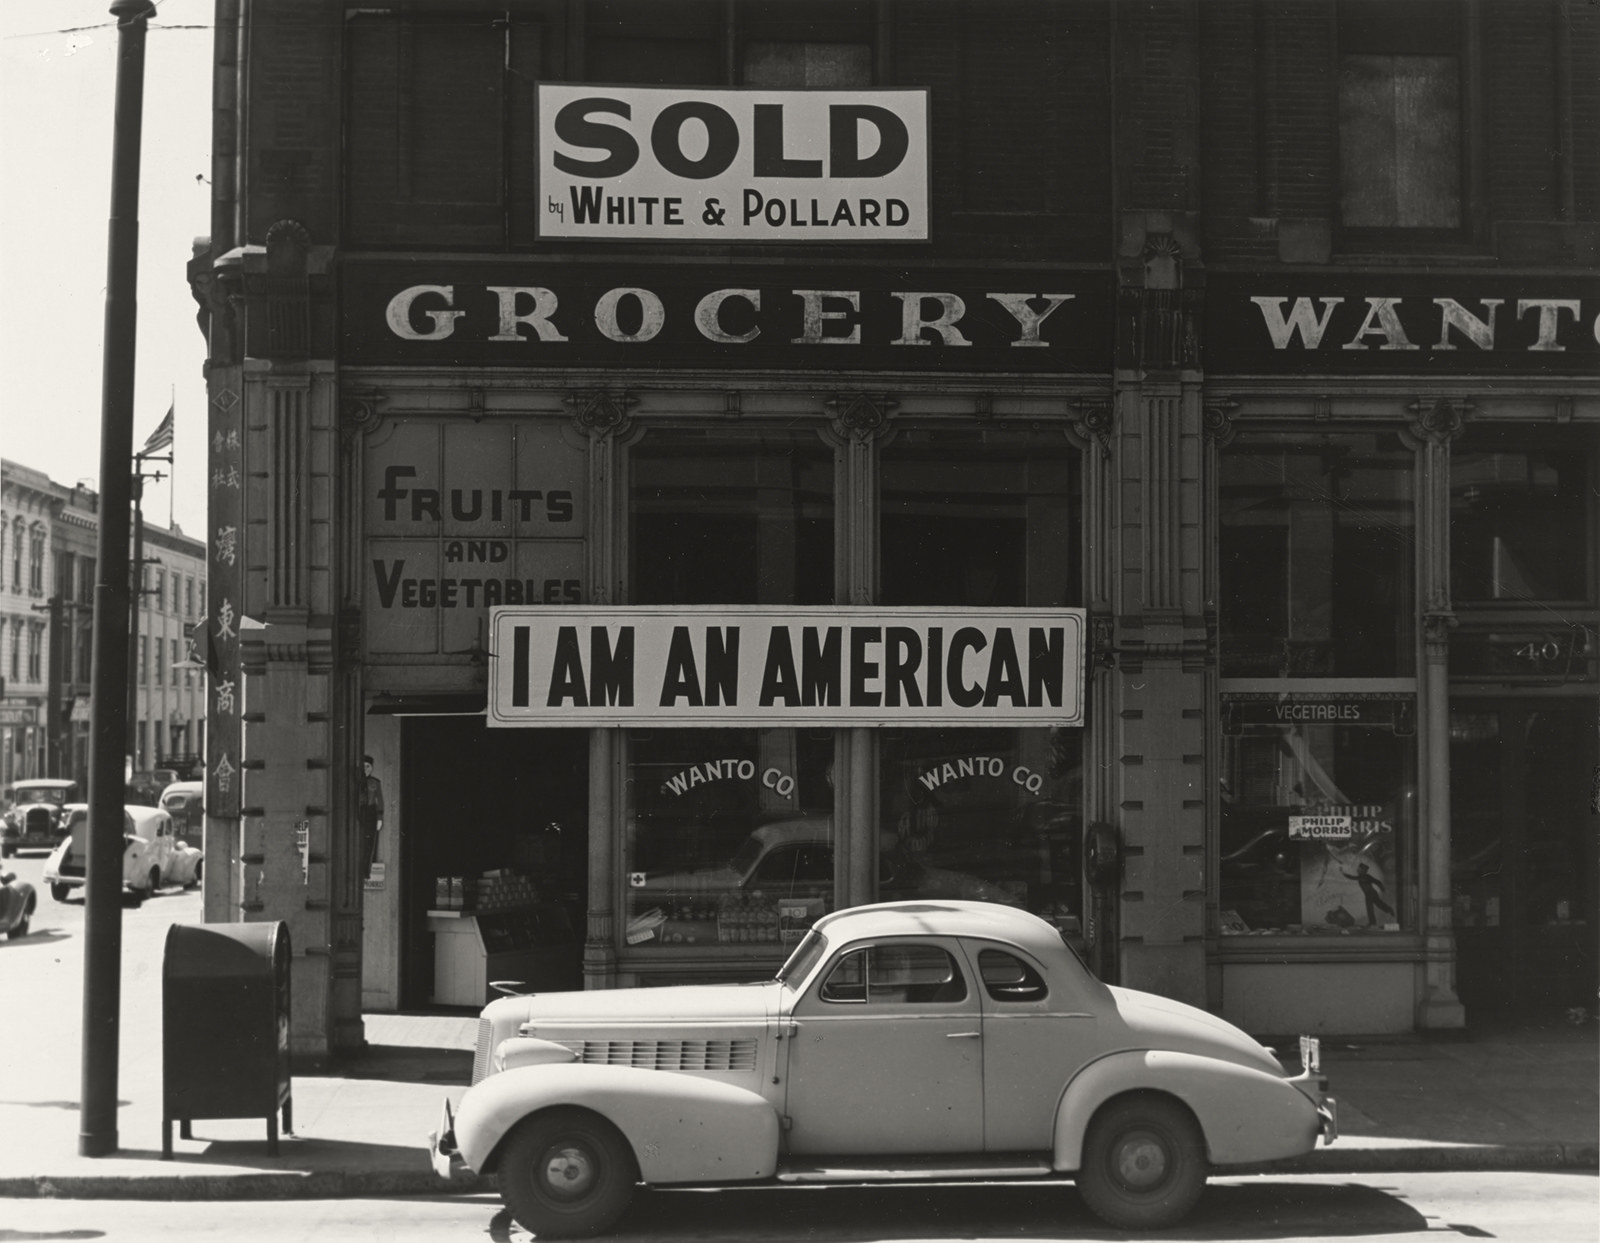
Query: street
column 1517, row 1208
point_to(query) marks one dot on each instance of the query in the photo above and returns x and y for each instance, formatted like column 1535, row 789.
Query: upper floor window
column 19, row 531
column 66, row 575
column 1400, row 111
column 36, row 559
column 1317, row 554
column 35, row 653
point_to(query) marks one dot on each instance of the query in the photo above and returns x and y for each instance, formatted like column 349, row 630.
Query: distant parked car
column 185, row 802
column 152, row 856
column 17, row 903
column 901, row 1041
column 35, row 820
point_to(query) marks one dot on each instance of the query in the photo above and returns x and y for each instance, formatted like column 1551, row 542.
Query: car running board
column 914, row 1169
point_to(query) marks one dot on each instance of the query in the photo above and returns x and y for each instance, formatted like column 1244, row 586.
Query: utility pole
column 136, row 601
column 102, row 967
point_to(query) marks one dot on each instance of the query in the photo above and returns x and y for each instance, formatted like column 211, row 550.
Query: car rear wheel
column 196, row 881
column 59, row 892
column 1144, row 1162
column 155, row 880
column 20, row 928
column 567, row 1173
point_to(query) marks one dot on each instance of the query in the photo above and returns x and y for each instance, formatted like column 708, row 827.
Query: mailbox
column 225, row 1034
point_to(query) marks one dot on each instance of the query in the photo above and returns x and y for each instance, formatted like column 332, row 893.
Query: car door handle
column 962, row 1035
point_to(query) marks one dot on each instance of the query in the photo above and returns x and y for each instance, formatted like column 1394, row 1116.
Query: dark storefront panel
column 479, row 800
column 1523, row 863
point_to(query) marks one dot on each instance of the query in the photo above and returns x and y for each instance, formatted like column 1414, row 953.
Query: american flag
column 161, row 438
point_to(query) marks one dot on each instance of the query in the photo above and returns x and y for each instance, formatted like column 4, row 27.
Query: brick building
column 1255, row 344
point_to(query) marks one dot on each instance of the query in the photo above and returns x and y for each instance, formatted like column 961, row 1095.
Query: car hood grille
column 688, row 1055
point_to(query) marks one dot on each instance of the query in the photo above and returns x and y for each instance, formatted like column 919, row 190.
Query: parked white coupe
column 908, row 1040
column 152, row 855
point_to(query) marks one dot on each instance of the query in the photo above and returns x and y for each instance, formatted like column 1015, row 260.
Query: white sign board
column 708, row 165
column 770, row 666
column 1320, row 828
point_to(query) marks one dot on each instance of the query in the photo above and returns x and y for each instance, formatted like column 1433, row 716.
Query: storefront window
column 724, row 519
column 1318, row 814
column 730, row 836
column 1317, row 553
column 992, row 815
column 980, row 518
column 1521, row 522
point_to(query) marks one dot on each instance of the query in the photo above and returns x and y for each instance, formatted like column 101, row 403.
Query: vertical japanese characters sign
column 224, row 582
column 747, row 165
column 463, row 517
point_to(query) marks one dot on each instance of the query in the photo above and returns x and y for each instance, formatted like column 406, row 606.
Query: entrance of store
column 1523, row 857
column 480, row 800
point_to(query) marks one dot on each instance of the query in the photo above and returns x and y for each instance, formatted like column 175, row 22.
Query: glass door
column 1523, row 855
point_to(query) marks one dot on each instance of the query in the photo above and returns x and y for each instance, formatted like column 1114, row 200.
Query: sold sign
column 733, row 165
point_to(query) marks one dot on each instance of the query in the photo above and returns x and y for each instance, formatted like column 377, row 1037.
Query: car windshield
column 805, row 957
column 41, row 794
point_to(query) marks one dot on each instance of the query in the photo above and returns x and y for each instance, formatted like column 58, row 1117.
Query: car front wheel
column 567, row 1173
column 59, row 892
column 1144, row 1162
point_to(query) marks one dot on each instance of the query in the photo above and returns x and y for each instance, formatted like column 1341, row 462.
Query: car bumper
column 442, row 1152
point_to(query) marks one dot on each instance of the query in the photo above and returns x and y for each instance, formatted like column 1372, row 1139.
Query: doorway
column 478, row 800
column 1523, row 856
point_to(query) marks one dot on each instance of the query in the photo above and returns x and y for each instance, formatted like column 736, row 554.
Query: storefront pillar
column 1436, row 426
column 1157, row 714
column 599, row 947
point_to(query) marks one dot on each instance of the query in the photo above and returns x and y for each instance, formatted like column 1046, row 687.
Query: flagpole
column 172, row 474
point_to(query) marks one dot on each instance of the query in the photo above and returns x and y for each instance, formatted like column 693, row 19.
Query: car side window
column 1007, row 978
column 895, row 974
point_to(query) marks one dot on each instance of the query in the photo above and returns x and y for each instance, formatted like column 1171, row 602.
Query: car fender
column 683, row 1129
column 1247, row 1115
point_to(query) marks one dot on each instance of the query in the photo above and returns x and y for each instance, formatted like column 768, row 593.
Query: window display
column 987, row 814
column 1317, row 555
column 1318, row 815
column 730, row 837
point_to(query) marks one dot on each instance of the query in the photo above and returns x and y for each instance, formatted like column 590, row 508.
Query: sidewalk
column 1515, row 1099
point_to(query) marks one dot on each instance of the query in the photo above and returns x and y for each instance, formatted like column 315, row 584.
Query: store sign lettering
column 1383, row 328
column 1361, row 323
column 980, row 766
column 633, row 315
column 779, row 782
column 760, row 665
column 732, row 165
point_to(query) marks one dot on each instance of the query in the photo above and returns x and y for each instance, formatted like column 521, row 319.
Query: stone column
column 1437, row 424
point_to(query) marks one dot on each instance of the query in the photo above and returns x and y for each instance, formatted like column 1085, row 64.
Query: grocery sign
column 765, row 666
column 732, row 165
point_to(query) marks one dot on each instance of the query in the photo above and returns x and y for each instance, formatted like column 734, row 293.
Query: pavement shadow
column 1278, row 1210
column 405, row 1064
column 38, row 936
column 297, row 1153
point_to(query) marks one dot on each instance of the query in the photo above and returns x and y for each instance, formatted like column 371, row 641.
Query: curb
column 337, row 1185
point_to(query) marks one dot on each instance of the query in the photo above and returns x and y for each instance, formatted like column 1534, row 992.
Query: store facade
column 965, row 498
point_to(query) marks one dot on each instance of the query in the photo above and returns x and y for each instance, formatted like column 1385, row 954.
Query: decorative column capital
column 1438, row 420
column 860, row 416
column 1216, row 420
column 600, row 412
column 1093, row 418
column 358, row 410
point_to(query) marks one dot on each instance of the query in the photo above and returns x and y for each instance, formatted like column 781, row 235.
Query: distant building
column 48, row 561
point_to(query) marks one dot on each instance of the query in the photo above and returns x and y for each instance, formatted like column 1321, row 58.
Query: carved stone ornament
column 1436, row 628
column 862, row 415
column 599, row 412
column 1092, row 419
column 1216, row 419
column 1438, row 420
column 358, row 410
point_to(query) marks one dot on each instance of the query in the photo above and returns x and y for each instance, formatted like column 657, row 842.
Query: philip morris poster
column 704, row 165
column 768, row 666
